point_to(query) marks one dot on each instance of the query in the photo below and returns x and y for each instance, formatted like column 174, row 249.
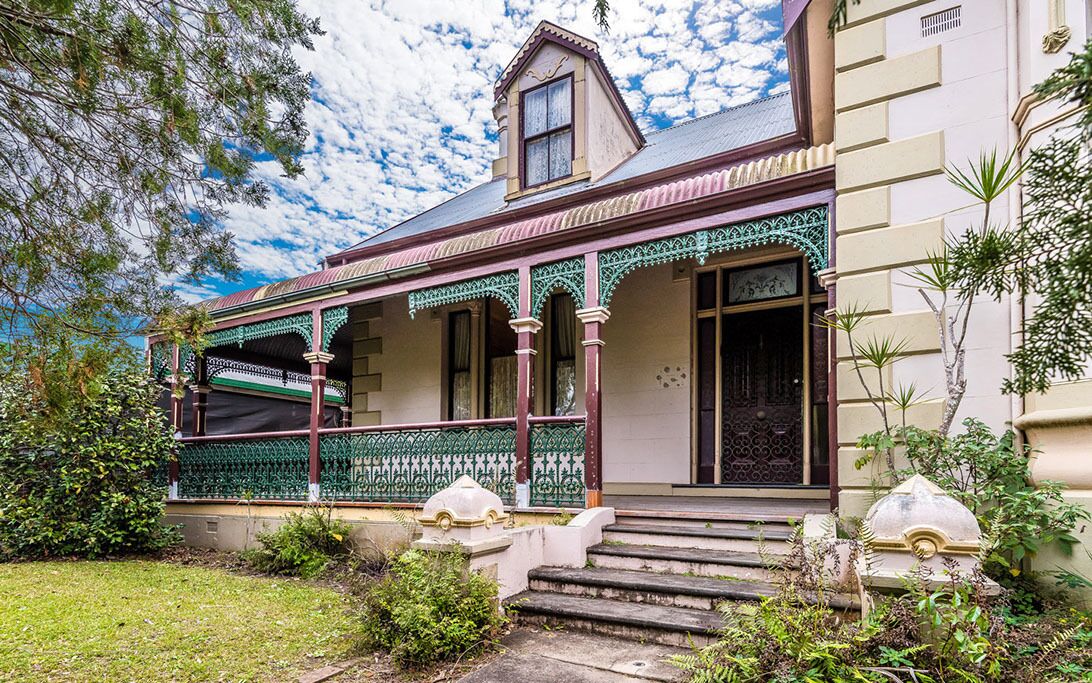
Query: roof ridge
column 717, row 113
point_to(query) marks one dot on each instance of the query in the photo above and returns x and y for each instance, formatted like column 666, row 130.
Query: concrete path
column 538, row 656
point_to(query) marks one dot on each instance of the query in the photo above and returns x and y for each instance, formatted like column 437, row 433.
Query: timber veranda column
column 593, row 316
column 525, row 327
column 200, row 389
column 177, row 380
column 318, row 360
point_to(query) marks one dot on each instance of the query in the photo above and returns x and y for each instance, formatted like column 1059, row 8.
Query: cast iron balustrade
column 270, row 466
column 388, row 463
column 409, row 463
column 557, row 461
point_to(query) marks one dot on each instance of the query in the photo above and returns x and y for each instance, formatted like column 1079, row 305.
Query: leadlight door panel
column 763, row 384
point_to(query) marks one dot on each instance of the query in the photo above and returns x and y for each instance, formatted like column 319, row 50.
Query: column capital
column 200, row 388
column 521, row 325
column 595, row 314
column 318, row 357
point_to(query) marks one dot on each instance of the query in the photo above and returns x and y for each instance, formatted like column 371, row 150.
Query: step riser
column 746, row 545
column 704, row 524
column 625, row 594
column 682, row 567
column 637, row 633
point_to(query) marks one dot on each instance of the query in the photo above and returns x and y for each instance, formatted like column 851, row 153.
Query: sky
column 401, row 111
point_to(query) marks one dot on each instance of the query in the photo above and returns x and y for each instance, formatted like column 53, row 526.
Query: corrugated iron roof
column 706, row 136
column 687, row 189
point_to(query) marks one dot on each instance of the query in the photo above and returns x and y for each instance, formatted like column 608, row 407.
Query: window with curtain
column 458, row 395
column 547, row 132
column 500, row 362
column 563, row 354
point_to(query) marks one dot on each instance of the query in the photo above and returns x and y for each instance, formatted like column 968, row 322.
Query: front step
column 668, row 590
column 710, row 519
column 677, row 626
column 772, row 541
column 695, row 561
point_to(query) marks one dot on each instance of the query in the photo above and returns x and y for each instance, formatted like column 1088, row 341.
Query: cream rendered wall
column 907, row 106
column 409, row 365
column 646, row 425
column 608, row 140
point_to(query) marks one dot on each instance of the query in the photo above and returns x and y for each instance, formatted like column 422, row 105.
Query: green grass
column 152, row 621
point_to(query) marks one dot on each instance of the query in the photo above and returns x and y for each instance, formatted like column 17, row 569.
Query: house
column 626, row 317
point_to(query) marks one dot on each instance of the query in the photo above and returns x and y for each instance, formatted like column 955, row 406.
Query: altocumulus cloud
column 401, row 120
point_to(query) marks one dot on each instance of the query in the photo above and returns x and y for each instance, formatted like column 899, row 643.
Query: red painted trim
column 796, row 49
column 342, row 503
column 593, row 397
column 318, row 416
column 247, row 436
column 733, row 157
column 832, row 379
column 448, row 424
column 557, row 419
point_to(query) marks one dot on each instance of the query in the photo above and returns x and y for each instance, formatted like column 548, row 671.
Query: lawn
column 154, row 621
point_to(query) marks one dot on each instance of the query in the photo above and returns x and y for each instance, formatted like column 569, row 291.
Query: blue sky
column 402, row 96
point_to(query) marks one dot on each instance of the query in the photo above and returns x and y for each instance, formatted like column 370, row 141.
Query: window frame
column 524, row 141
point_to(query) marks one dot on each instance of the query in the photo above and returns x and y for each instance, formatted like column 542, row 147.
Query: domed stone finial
column 464, row 504
column 918, row 523
column 919, row 517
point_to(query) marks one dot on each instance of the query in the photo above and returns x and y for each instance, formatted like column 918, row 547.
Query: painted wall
column 906, row 106
column 646, row 380
column 409, row 365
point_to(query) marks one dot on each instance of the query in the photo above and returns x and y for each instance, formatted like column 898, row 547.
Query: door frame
column 805, row 300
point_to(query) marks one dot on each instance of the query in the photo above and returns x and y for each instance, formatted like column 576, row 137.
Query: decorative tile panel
column 806, row 230
column 501, row 286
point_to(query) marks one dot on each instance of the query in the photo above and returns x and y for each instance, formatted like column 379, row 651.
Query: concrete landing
column 537, row 656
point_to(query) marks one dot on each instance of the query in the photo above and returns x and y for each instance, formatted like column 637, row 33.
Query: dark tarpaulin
column 229, row 412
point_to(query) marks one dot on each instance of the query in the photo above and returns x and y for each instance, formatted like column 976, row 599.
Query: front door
column 763, row 387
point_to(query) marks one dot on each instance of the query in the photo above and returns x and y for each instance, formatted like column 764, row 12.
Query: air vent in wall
column 941, row 22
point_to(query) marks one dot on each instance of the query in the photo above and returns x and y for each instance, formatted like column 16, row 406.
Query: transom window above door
column 547, row 132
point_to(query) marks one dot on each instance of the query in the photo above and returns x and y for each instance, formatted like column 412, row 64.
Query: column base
column 523, row 496
column 314, row 492
column 172, row 491
column 593, row 499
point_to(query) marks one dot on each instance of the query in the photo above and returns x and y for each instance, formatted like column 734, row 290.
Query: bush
column 955, row 632
column 990, row 475
column 302, row 546
column 431, row 607
column 86, row 476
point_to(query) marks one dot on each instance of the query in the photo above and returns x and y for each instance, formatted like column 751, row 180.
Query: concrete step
column 669, row 590
column 772, row 541
column 635, row 621
column 731, row 519
column 676, row 560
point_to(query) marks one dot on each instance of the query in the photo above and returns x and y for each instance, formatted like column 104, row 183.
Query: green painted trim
column 270, row 389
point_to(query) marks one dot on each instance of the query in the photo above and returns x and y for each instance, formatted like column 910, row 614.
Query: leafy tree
column 86, row 476
column 126, row 126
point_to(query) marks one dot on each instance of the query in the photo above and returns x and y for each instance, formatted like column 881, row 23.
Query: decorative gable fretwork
column 332, row 320
column 292, row 324
column 501, row 286
column 806, row 230
column 567, row 274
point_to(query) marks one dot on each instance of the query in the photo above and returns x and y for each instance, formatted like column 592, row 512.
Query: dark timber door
column 763, row 383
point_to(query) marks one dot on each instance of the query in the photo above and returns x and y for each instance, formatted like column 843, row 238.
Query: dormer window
column 548, row 132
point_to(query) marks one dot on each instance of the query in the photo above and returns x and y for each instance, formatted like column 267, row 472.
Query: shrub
column 86, row 476
column 955, row 632
column 304, row 545
column 431, row 607
column 990, row 475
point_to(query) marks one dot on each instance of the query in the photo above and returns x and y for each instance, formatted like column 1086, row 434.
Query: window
column 458, row 389
column 500, row 362
column 563, row 354
column 547, row 132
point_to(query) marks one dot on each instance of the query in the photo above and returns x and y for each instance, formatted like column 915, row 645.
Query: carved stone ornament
column 548, row 72
column 1056, row 39
column 463, row 504
column 920, row 518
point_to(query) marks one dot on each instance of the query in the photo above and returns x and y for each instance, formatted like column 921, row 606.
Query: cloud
column 402, row 96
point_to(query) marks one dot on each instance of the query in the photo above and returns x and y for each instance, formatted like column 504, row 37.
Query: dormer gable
column 560, row 115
